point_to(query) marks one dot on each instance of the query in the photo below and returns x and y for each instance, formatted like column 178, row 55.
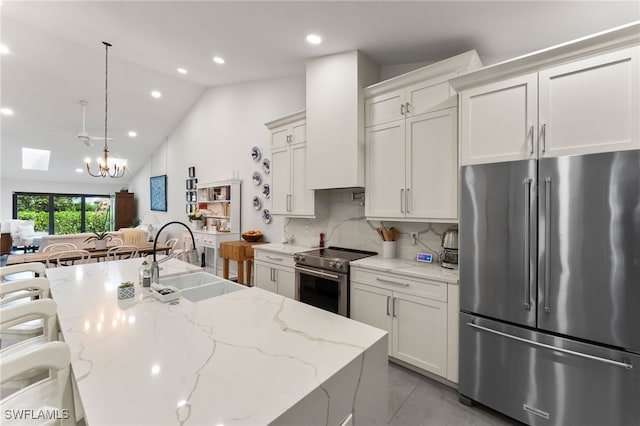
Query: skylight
column 35, row 159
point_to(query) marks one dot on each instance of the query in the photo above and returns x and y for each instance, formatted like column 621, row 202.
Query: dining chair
column 22, row 271
column 52, row 395
column 68, row 258
column 117, row 241
column 14, row 293
column 171, row 242
column 15, row 315
column 122, row 252
column 59, row 247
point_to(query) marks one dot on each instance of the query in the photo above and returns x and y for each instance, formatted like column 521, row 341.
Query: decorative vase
column 100, row 244
column 199, row 225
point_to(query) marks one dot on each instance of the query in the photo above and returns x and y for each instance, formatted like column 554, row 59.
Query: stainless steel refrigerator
column 550, row 288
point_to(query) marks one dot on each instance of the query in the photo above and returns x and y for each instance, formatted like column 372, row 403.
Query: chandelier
column 104, row 170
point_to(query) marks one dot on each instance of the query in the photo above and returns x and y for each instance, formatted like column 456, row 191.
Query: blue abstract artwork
column 158, row 185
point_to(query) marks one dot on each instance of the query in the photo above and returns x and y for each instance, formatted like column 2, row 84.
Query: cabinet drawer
column 430, row 289
column 276, row 258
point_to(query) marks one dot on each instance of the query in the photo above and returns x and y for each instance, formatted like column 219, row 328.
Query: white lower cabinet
column 415, row 313
column 275, row 273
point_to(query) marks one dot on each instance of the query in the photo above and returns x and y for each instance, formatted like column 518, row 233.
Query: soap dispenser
column 145, row 274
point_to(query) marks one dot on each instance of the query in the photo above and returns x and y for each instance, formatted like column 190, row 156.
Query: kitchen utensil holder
column 389, row 249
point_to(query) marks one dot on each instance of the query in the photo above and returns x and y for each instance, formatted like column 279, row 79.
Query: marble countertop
column 410, row 268
column 242, row 358
column 282, row 248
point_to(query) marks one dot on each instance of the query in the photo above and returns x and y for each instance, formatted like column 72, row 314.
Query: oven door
column 326, row 290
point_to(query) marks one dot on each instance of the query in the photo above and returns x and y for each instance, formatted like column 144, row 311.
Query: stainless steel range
column 322, row 277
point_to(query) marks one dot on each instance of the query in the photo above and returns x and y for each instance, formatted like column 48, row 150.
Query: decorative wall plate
column 266, row 216
column 256, row 154
column 266, row 166
column 266, row 190
column 256, row 178
column 256, row 203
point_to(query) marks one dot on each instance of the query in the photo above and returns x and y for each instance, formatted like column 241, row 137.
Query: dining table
column 98, row 254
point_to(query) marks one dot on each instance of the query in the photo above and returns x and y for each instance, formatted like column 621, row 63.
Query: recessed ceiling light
column 218, row 60
column 156, row 94
column 182, row 71
column 4, row 50
column 6, row 111
column 314, row 39
column 78, row 170
column 132, row 134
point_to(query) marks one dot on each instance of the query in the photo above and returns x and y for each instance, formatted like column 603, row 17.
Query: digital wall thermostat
column 424, row 257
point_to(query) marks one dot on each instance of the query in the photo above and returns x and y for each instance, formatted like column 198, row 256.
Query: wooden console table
column 241, row 252
column 5, row 243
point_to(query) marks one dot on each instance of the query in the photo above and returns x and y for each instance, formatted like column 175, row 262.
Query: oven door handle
column 317, row 273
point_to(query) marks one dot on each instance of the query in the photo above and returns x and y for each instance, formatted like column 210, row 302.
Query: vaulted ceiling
column 57, row 58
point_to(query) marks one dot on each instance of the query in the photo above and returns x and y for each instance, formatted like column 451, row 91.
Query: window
column 63, row 213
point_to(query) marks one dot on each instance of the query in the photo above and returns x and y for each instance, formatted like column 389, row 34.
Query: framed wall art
column 158, row 195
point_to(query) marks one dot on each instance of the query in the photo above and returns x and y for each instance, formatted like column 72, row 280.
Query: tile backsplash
column 345, row 225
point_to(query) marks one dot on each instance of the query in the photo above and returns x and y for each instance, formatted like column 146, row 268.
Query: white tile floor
column 415, row 400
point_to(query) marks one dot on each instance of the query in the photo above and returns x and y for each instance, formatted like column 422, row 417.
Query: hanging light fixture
column 104, row 170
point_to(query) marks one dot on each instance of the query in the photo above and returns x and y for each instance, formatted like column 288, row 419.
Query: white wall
column 9, row 186
column 216, row 137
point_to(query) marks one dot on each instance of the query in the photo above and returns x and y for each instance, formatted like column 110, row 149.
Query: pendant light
column 104, row 170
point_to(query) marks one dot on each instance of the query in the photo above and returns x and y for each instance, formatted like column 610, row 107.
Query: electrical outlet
column 414, row 236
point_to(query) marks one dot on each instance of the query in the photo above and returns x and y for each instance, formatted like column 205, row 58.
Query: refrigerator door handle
column 624, row 365
column 547, row 244
column 527, row 244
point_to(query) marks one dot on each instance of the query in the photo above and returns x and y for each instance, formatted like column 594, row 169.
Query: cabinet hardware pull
column 407, row 108
column 547, row 245
column 407, row 199
column 382, row 280
column 543, row 137
column 317, row 273
column 388, row 299
column 553, row 348
column 527, row 236
column 402, row 109
column 531, row 139
column 401, row 200
column 395, row 306
column 279, row 259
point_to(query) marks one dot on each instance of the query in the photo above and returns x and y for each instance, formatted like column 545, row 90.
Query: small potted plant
column 99, row 239
column 197, row 217
column 126, row 290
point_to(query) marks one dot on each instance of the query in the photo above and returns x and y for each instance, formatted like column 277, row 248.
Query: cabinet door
column 302, row 199
column 498, row 121
column 286, row 280
column 591, row 106
column 280, row 137
column 385, row 170
column 280, row 180
column 384, row 108
column 420, row 332
column 299, row 132
column 432, row 165
column 425, row 96
column 264, row 277
column 371, row 305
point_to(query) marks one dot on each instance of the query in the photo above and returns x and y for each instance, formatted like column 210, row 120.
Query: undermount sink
column 200, row 285
column 194, row 279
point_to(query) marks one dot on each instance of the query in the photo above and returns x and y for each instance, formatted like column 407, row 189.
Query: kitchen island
column 246, row 357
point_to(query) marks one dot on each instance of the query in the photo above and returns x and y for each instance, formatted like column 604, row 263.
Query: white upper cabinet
column 411, row 144
column 289, row 194
column 591, row 105
column 335, row 117
column 577, row 98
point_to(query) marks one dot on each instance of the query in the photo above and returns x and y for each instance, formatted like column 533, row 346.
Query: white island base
column 248, row 357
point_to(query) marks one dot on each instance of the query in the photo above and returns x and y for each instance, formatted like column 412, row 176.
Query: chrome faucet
column 155, row 268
